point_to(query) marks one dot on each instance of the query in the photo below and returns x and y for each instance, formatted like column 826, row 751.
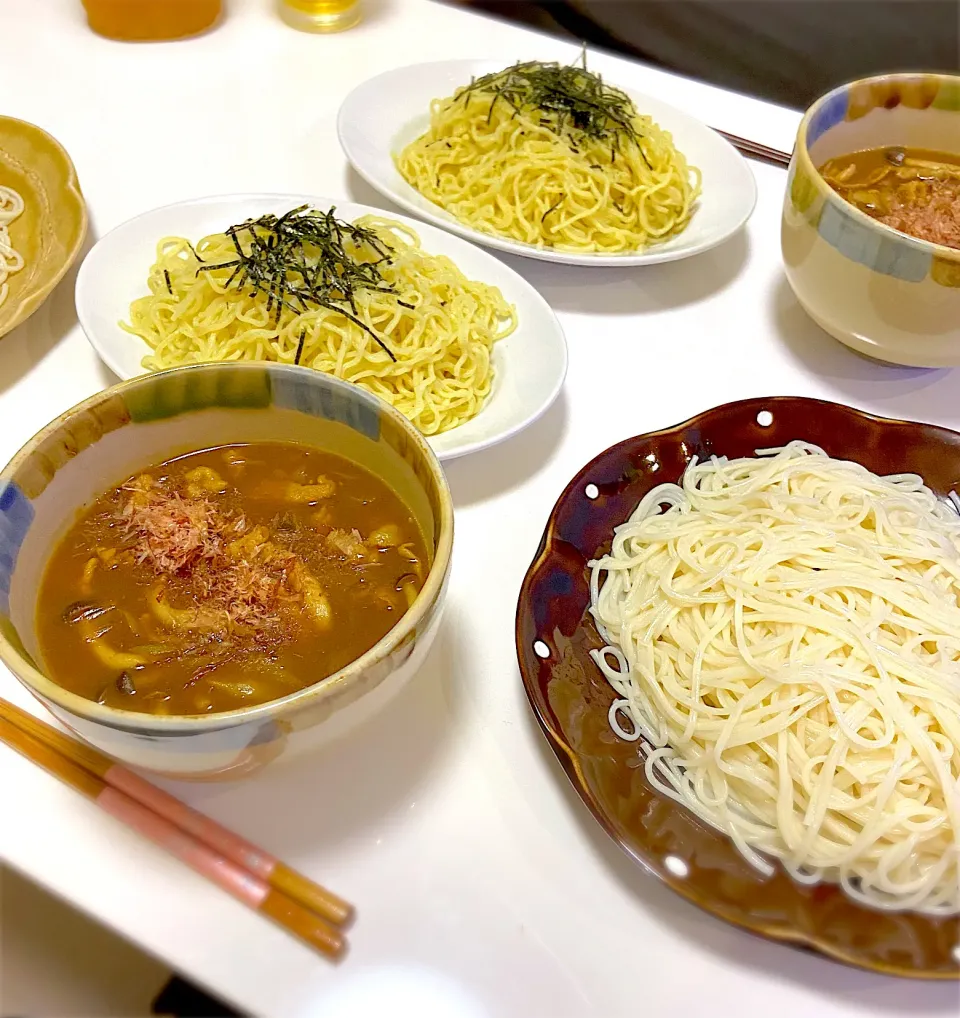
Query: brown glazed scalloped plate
column 571, row 698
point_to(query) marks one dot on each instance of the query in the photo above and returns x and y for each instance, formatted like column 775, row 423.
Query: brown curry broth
column 231, row 666
column 922, row 203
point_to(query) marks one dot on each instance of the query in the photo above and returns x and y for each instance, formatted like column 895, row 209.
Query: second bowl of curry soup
column 198, row 567
column 870, row 231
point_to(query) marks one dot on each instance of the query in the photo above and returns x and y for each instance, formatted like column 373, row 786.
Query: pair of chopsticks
column 244, row 871
column 757, row 151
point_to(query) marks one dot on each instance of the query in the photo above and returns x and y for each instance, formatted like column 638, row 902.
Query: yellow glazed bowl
column 102, row 441
column 884, row 294
column 50, row 230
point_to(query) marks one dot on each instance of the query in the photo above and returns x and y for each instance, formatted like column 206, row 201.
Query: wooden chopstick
column 244, row 870
column 235, row 880
column 755, row 149
column 239, row 851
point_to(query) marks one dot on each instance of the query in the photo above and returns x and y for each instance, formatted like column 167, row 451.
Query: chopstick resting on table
column 239, row 867
column 755, row 149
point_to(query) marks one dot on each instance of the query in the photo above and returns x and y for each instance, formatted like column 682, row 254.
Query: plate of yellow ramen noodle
column 546, row 160
column 451, row 337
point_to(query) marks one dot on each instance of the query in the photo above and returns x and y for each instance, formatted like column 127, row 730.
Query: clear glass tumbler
column 321, row 15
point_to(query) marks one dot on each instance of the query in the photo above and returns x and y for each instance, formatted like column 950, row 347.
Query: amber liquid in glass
column 321, row 15
column 144, row 20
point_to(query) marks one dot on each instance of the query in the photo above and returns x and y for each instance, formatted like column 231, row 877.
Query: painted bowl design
column 570, row 697
column 883, row 293
column 154, row 417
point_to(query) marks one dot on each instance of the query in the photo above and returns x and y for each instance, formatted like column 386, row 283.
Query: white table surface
column 483, row 886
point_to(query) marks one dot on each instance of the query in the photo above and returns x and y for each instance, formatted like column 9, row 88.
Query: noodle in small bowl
column 380, row 122
column 449, row 335
column 43, row 218
column 689, row 779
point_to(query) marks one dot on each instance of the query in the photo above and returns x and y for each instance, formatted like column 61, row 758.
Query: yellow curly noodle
column 442, row 341
column 508, row 168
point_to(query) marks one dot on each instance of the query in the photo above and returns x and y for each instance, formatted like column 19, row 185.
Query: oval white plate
column 530, row 364
column 386, row 113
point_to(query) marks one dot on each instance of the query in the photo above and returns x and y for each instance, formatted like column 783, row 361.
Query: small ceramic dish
column 530, row 364
column 51, row 228
column 153, row 418
column 570, row 697
column 883, row 293
column 384, row 114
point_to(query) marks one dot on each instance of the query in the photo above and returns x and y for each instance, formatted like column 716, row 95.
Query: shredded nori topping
column 305, row 259
column 572, row 102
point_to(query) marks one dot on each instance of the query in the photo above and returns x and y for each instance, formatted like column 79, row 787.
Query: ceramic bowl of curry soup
column 882, row 292
column 138, row 424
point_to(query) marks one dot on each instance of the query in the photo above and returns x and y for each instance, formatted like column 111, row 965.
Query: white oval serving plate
column 529, row 365
column 384, row 114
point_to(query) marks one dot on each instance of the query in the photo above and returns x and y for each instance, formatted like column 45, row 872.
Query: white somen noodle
column 11, row 206
column 785, row 638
